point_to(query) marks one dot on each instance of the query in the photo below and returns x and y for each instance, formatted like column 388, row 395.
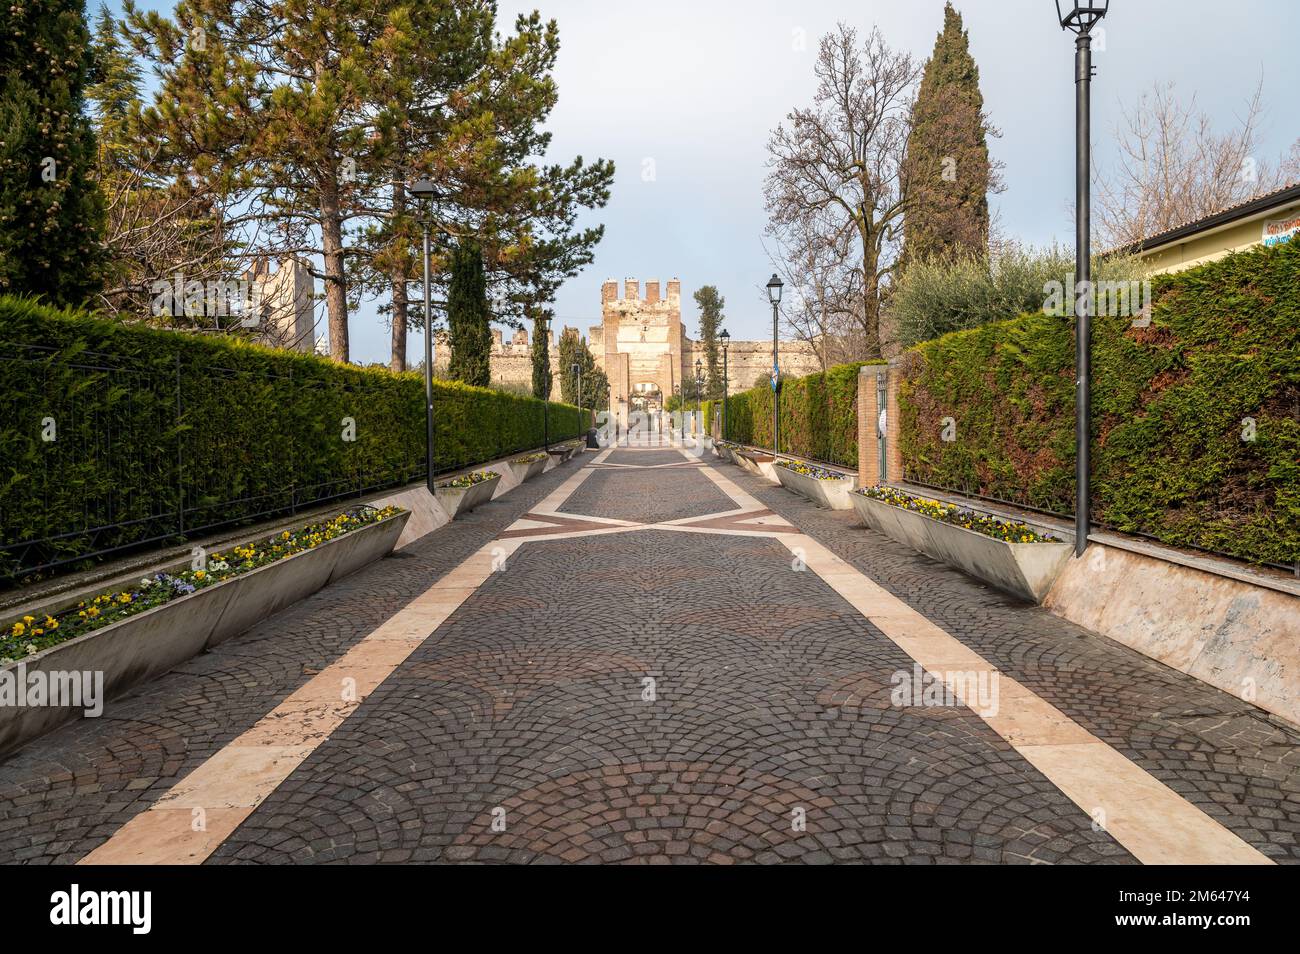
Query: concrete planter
column 723, row 451
column 526, row 470
column 149, row 644
column 758, row 464
column 1025, row 570
column 831, row 494
column 458, row 500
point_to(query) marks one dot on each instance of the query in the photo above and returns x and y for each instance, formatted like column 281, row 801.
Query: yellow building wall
column 1199, row 249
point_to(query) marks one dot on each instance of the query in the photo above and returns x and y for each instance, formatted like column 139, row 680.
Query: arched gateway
column 644, row 351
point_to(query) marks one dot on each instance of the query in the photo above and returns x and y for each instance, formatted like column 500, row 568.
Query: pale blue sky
column 696, row 86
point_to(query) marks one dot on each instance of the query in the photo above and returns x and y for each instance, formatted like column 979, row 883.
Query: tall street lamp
column 423, row 190
column 699, row 386
column 726, row 385
column 774, row 286
column 582, row 418
column 546, row 385
column 1080, row 18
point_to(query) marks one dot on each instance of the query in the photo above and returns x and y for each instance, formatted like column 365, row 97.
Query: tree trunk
column 336, row 298
column 870, row 289
column 399, row 275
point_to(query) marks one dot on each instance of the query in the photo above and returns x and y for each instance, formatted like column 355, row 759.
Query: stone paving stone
column 771, row 736
column 529, row 701
column 1226, row 757
column 84, row 780
column 652, row 495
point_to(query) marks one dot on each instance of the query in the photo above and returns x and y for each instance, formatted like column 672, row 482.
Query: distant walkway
column 653, row 657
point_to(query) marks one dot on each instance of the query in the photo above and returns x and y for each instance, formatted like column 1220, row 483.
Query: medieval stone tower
column 640, row 343
column 645, row 352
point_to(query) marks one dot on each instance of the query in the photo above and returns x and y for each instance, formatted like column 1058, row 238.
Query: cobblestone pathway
column 647, row 657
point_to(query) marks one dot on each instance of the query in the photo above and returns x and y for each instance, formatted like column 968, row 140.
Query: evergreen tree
column 468, row 104
column 711, row 304
column 469, row 329
column 288, row 108
column 946, row 173
column 595, row 385
column 541, row 353
column 51, row 212
column 160, row 222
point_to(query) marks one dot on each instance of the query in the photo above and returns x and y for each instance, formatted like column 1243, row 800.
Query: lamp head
column 774, row 286
column 1081, row 17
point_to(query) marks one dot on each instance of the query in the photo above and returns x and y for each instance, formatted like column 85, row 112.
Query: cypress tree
column 541, row 354
column 51, row 212
column 711, row 304
column 469, row 331
column 946, row 174
column 595, row 386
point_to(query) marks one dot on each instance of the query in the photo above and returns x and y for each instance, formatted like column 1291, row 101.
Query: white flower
column 31, row 649
column 146, row 581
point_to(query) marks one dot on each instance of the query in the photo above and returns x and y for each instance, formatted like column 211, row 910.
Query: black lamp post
column 774, row 286
column 423, row 191
column 726, row 385
column 546, row 386
column 1080, row 19
column 699, row 386
column 582, row 417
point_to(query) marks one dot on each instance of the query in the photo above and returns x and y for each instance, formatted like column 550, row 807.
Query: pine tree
column 469, row 329
column 946, row 173
column 711, row 305
column 51, row 212
column 468, row 105
column 288, row 108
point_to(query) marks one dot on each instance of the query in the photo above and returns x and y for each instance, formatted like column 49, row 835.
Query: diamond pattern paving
column 669, row 687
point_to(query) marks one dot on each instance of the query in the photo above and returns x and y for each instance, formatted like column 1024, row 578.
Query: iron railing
column 143, row 476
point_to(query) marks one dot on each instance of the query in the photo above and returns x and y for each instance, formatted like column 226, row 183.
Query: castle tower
column 641, row 344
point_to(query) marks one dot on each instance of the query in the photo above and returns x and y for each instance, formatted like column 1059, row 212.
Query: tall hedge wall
column 1171, row 454
column 158, row 434
column 819, row 416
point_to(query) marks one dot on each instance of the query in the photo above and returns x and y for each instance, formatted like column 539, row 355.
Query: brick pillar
column 893, row 454
column 868, row 413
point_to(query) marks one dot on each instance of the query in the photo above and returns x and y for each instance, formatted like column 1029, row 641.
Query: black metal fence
column 102, row 453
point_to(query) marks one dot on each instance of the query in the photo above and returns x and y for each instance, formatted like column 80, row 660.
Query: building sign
column 1277, row 231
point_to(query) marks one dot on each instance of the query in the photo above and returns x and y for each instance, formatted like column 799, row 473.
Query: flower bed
column 1008, row 531
column 1005, row 553
column 142, row 632
column 528, row 466
column 30, row 635
column 567, row 449
column 468, row 480
column 828, row 488
column 810, row 470
column 463, row 493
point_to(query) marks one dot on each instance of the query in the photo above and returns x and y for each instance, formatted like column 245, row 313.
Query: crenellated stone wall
column 642, row 346
column 511, row 360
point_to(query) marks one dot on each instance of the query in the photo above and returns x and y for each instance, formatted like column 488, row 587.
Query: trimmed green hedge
column 160, row 434
column 1170, row 403
column 819, row 415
